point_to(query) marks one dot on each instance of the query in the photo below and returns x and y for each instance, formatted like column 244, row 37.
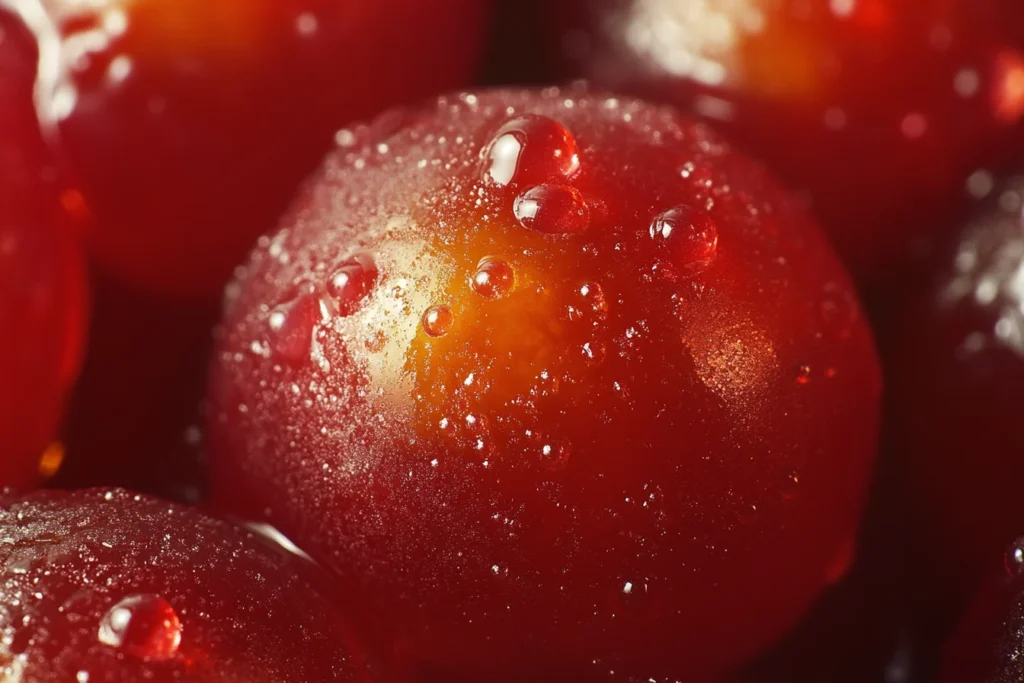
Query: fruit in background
column 106, row 585
column 884, row 110
column 190, row 123
column 43, row 298
column 559, row 383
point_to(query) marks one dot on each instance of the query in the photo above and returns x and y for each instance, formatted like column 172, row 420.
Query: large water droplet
column 532, row 149
column 437, row 321
column 494, row 278
column 291, row 328
column 1014, row 559
column 352, row 282
column 552, row 209
column 689, row 233
column 142, row 626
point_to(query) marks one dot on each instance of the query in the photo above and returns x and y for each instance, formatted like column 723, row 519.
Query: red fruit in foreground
column 607, row 402
column 958, row 371
column 42, row 282
column 190, row 123
column 114, row 587
column 882, row 109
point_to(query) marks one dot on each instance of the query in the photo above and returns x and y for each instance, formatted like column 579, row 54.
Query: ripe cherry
column 881, row 109
column 189, row 123
column 106, row 585
column 43, row 298
column 598, row 471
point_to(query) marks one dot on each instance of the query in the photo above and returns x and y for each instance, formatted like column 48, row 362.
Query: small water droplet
column 142, row 626
column 690, row 235
column 1014, row 559
column 554, row 453
column 634, row 593
column 552, row 209
column 437, row 321
column 596, row 303
column 749, row 514
column 803, row 374
column 291, row 328
column 790, row 485
column 494, row 278
column 595, row 352
column 532, row 149
column 352, row 282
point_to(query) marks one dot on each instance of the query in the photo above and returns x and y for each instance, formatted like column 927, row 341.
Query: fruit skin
column 249, row 611
column 880, row 110
column 957, row 368
column 190, row 123
column 600, row 469
column 43, row 292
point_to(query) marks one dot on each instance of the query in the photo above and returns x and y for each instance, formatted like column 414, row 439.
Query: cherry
column 43, row 298
column 189, row 123
column 957, row 368
column 106, row 585
column 884, row 110
column 603, row 468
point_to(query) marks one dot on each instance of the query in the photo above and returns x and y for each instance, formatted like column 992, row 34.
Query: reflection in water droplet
column 593, row 295
column 554, row 453
column 437, row 321
column 142, row 626
column 532, row 149
column 291, row 328
column 690, row 234
column 634, row 593
column 595, row 352
column 803, row 374
column 552, row 209
column 352, row 282
column 1014, row 559
column 494, row 278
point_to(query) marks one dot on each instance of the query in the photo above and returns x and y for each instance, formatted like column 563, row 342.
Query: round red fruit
column 598, row 403
column 190, row 123
column 106, row 585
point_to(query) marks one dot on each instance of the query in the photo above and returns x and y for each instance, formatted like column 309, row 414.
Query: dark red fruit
column 987, row 646
column 958, row 369
column 601, row 464
column 42, row 282
column 882, row 109
column 191, row 122
column 116, row 587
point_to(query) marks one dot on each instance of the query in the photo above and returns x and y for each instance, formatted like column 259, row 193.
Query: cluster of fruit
column 556, row 381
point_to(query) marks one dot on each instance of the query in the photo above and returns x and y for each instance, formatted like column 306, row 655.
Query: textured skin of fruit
column 43, row 298
column 190, row 123
column 958, row 365
column 110, row 586
column 881, row 109
column 605, row 389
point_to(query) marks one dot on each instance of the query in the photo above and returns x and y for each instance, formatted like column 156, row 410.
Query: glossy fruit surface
column 190, row 123
column 604, row 388
column 43, row 296
column 110, row 586
column 889, row 112
column 958, row 370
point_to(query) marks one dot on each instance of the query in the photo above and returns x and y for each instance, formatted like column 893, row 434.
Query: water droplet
column 748, row 515
column 790, row 485
column 1014, row 559
column 437, row 321
column 596, row 303
column 634, row 593
column 494, row 278
column 690, row 235
column 554, row 453
column 142, row 626
column 291, row 328
column 352, row 282
column 532, row 149
column 552, row 209
column 595, row 352
column 803, row 374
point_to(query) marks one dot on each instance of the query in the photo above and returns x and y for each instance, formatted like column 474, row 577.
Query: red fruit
column 191, row 122
column 987, row 646
column 882, row 109
column 601, row 464
column 958, row 368
column 42, row 282
column 115, row 587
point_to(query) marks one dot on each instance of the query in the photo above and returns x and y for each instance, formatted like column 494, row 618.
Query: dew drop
column 437, row 321
column 690, row 235
column 532, row 149
column 291, row 328
column 352, row 282
column 142, row 626
column 494, row 278
column 1014, row 559
column 552, row 209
